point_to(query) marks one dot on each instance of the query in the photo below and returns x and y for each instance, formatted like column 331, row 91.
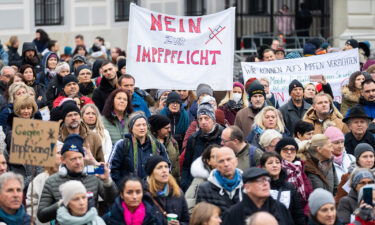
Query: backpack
column 252, row 150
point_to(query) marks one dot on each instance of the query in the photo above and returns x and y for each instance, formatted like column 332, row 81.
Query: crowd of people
column 171, row 157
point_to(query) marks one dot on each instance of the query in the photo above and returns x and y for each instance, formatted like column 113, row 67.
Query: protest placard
column 33, row 142
column 180, row 52
column 336, row 67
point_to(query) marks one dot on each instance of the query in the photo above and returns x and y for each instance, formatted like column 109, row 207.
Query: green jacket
column 115, row 130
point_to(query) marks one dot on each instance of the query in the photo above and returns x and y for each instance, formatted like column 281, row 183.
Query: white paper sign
column 336, row 67
column 180, row 52
column 284, row 197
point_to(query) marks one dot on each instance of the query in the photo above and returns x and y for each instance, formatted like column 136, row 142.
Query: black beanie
column 255, row 88
column 81, row 67
column 173, row 97
column 69, row 78
column 121, row 63
column 152, row 162
column 157, row 122
column 69, row 106
column 295, row 83
column 284, row 142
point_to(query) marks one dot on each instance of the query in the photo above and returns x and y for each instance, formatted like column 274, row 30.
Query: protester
column 367, row 99
column 80, row 50
column 121, row 65
column 165, row 191
column 49, row 63
column 13, row 55
column 56, row 85
column 29, row 78
column 269, row 139
column 364, row 214
column 6, row 74
column 303, row 131
column 86, row 86
column 187, row 97
column 351, row 92
column 161, row 101
column 77, row 61
column 116, row 113
column 202, row 90
column 322, row 208
column 41, row 40
column 271, row 99
column 205, row 213
column 309, row 93
column 30, row 56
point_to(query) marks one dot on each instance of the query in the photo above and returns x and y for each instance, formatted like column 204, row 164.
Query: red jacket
column 362, row 222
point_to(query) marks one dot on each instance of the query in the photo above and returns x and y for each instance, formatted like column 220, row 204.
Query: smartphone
column 92, row 170
column 367, row 195
column 316, row 78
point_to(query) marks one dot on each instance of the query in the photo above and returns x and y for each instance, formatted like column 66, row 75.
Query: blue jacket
column 140, row 105
column 43, row 77
column 193, row 111
column 4, row 114
column 4, row 55
column 122, row 157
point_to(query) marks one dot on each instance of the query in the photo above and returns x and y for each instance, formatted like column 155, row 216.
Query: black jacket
column 197, row 142
column 101, row 93
column 176, row 205
column 295, row 206
column 14, row 57
column 35, row 61
column 115, row 216
column 40, row 90
column 351, row 142
column 54, row 88
column 238, row 213
column 291, row 114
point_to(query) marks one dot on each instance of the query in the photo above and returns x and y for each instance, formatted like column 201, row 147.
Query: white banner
column 179, row 52
column 336, row 67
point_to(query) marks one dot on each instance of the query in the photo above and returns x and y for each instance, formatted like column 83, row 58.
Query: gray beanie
column 160, row 92
column 318, row 198
column 359, row 175
column 206, row 109
column 71, row 188
column 204, row 89
column 134, row 117
column 361, row 148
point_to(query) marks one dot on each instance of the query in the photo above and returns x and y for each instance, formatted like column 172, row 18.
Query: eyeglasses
column 289, row 150
column 263, row 180
column 174, row 103
column 364, row 182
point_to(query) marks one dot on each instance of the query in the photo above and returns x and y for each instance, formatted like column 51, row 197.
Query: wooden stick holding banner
column 33, row 143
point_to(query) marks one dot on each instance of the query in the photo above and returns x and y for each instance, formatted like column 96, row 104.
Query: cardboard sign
column 180, row 52
column 336, row 67
column 33, row 142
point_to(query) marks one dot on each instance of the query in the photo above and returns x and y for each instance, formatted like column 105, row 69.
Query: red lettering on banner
column 182, row 25
column 179, row 57
column 195, row 27
column 192, row 57
column 160, row 50
column 173, row 56
column 168, row 21
column 204, row 58
column 167, row 53
column 138, row 53
column 156, row 22
column 154, row 52
column 214, row 57
column 146, row 53
column 279, row 96
column 188, row 57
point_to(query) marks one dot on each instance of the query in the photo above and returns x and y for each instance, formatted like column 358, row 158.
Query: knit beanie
column 285, row 142
column 69, row 78
column 207, row 100
column 74, row 143
column 248, row 82
column 152, row 162
column 81, row 67
column 69, row 106
column 238, row 84
column 157, row 122
column 79, row 58
column 68, row 50
column 334, row 134
column 359, row 175
column 206, row 109
column 160, row 92
column 318, row 198
column 173, row 97
column 69, row 189
column 204, row 89
column 361, row 148
column 135, row 117
column 256, row 88
column 295, row 83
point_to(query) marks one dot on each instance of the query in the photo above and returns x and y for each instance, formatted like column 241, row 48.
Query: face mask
column 237, row 97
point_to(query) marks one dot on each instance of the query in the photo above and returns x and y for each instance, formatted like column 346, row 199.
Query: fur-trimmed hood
column 198, row 170
column 350, row 96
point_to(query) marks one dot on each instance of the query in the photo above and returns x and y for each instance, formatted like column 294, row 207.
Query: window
column 49, row 12
column 122, row 8
column 195, row 7
column 257, row 7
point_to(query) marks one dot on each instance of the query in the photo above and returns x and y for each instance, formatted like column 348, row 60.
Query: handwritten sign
column 336, row 67
column 33, row 142
column 179, row 52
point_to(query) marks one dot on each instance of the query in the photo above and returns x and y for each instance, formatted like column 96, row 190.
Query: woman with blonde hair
column 91, row 117
column 319, row 166
column 205, row 214
column 309, row 93
column 234, row 101
column 165, row 192
column 13, row 55
column 268, row 118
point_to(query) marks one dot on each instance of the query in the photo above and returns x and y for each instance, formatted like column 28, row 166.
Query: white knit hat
column 71, row 188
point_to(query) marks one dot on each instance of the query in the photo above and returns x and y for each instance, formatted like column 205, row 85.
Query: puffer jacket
column 172, row 204
column 347, row 205
column 116, row 130
column 122, row 157
column 48, row 203
column 349, row 99
column 212, row 192
column 335, row 118
column 139, row 104
column 54, row 88
column 14, row 57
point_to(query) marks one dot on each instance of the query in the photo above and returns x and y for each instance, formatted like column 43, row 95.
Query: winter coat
column 212, row 192
column 369, row 107
column 243, row 157
column 116, row 131
column 318, row 179
column 230, row 110
column 291, row 114
column 285, row 193
column 347, row 205
column 45, row 76
column 335, row 117
column 171, row 146
column 40, row 91
column 101, row 93
column 35, row 62
column 4, row 57
column 14, row 57
column 115, row 216
column 349, row 99
column 179, row 124
column 139, row 104
column 351, row 142
column 40, row 46
column 195, row 147
column 200, row 174
column 244, row 120
column 48, row 204
column 193, row 127
column 193, row 111
column 90, row 139
column 172, row 204
column 238, row 213
column 122, row 157
column 54, row 88
column 359, row 221
column 347, row 160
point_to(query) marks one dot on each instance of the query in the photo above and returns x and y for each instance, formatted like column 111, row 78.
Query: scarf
column 136, row 217
column 235, row 106
column 294, row 172
column 338, row 159
column 86, row 88
column 51, row 73
column 17, row 218
column 135, row 151
column 228, row 184
column 65, row 218
column 183, row 122
column 164, row 192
